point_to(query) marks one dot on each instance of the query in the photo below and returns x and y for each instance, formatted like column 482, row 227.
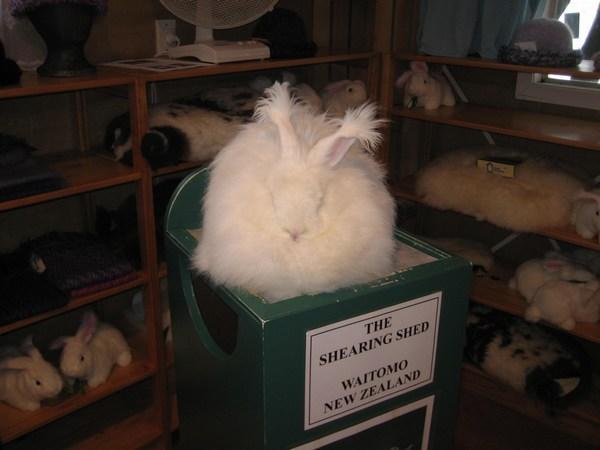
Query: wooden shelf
column 32, row 84
column 584, row 70
column 82, row 173
column 496, row 294
column 322, row 57
column 134, row 432
column 16, row 423
column 181, row 167
column 73, row 304
column 123, row 421
column 405, row 190
column 556, row 129
column 581, row 420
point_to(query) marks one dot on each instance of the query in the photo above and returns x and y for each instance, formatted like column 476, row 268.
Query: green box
column 373, row 366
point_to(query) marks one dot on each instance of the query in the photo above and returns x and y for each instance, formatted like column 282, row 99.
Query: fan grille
column 218, row 14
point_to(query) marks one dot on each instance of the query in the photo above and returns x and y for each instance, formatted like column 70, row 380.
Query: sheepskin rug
column 539, row 196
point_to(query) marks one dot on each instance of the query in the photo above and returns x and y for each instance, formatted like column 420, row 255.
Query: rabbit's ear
column 402, row 79
column 278, row 105
column 419, row 66
column 88, row 327
column 587, row 195
column 336, row 86
column 58, row 343
column 17, row 363
column 358, row 124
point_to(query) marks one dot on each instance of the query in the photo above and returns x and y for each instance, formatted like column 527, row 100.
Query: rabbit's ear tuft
column 278, row 105
column 358, row 124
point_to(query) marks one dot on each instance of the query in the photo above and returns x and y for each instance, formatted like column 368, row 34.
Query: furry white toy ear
column 17, row 363
column 403, row 79
column 88, row 327
column 419, row 66
column 28, row 348
column 587, row 195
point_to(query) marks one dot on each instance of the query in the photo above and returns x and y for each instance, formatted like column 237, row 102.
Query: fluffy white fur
column 429, row 90
column 93, row 351
column 538, row 197
column 586, row 214
column 26, row 380
column 532, row 274
column 294, row 207
column 564, row 303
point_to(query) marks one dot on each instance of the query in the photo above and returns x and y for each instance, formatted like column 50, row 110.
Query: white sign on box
column 365, row 360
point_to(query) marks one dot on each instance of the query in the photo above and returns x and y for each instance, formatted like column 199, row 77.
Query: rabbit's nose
column 295, row 233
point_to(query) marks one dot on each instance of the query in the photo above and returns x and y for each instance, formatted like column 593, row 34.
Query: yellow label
column 506, row 170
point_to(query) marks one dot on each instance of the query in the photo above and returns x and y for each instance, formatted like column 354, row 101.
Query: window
column 581, row 16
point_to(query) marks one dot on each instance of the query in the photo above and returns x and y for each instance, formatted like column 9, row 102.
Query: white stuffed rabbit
column 339, row 96
column 532, row 274
column 294, row 207
column 564, row 303
column 586, row 214
column 424, row 89
column 93, row 351
column 26, row 380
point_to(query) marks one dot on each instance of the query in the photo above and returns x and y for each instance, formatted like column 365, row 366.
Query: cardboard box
column 373, row 366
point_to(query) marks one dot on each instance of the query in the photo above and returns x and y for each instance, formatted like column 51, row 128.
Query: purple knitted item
column 77, row 263
column 22, row 7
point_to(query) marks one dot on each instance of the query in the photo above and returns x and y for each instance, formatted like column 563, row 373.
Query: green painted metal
column 253, row 397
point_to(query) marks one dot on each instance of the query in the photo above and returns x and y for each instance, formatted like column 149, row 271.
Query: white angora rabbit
column 293, row 207
column 93, row 351
column 26, row 380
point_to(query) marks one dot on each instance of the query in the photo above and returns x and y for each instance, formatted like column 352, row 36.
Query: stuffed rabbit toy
column 339, row 96
column 534, row 273
column 295, row 205
column 27, row 379
column 424, row 89
column 586, row 214
column 93, row 351
column 565, row 302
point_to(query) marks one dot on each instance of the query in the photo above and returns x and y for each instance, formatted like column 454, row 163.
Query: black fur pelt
column 530, row 358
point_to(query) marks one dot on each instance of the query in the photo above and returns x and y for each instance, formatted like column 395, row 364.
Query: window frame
column 531, row 87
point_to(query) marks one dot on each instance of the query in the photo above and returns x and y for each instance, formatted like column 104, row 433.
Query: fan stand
column 207, row 49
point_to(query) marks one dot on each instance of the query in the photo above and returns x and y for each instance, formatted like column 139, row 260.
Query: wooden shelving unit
column 150, row 422
column 405, row 189
column 84, row 173
column 556, row 129
column 583, row 419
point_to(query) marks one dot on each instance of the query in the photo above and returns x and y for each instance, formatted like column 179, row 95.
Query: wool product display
column 526, row 356
column 77, row 263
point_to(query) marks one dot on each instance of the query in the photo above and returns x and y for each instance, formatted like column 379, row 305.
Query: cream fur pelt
column 295, row 205
column 538, row 197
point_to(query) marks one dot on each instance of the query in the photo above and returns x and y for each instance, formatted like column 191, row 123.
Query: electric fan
column 207, row 15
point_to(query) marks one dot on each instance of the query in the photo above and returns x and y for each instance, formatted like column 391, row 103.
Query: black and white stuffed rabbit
column 296, row 204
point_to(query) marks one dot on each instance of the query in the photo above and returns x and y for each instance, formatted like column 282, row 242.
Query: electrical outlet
column 165, row 35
